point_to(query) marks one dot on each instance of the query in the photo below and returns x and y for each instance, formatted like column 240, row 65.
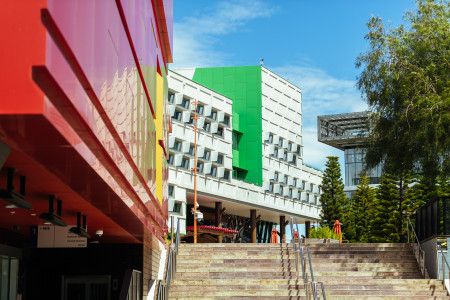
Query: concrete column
column 253, row 222
column 260, row 231
column 218, row 218
column 267, row 232
column 307, row 228
column 282, row 229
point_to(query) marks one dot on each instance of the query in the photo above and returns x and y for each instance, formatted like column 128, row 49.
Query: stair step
column 238, row 297
column 221, row 275
column 386, row 297
column 360, row 271
column 239, row 287
column 241, row 293
column 378, row 292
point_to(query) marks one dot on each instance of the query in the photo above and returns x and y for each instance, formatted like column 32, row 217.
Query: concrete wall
column 430, row 249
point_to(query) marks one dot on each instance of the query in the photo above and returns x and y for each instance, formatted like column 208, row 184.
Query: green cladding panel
column 243, row 86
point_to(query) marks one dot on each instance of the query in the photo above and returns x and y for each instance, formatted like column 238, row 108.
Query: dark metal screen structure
column 433, row 219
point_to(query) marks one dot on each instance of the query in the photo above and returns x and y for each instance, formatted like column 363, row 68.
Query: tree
column 333, row 199
column 405, row 79
column 386, row 211
column 362, row 209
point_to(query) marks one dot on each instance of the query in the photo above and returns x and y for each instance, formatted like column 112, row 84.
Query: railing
column 163, row 286
column 418, row 251
column 131, row 286
column 443, row 265
column 303, row 258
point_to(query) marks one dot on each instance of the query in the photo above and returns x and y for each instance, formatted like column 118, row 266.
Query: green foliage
column 323, row 232
column 406, row 81
column 386, row 211
column 333, row 199
column 361, row 211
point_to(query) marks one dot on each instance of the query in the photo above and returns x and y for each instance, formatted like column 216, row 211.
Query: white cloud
column 197, row 41
column 196, row 37
column 321, row 94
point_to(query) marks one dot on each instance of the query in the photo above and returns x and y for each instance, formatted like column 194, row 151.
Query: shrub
column 323, row 233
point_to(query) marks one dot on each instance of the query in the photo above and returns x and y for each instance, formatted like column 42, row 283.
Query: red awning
column 213, row 228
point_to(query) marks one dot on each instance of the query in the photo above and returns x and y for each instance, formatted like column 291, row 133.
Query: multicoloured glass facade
column 83, row 115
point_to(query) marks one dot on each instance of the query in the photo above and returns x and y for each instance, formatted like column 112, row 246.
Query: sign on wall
column 50, row 236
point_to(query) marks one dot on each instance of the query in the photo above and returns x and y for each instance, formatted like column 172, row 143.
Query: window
column 271, row 137
column 275, row 152
column 280, row 142
column 290, row 192
column 219, row 131
column 285, row 155
column 290, row 146
column 311, row 187
column 177, row 115
column 315, row 199
column 295, row 182
column 176, row 207
column 206, row 154
column 191, row 149
column 200, row 166
column 200, row 109
column 303, row 184
column 171, row 190
column 171, row 97
column 294, row 159
column 320, row 189
column 191, row 119
column 281, row 190
column 177, row 145
column 214, row 114
column 271, row 187
column 236, row 138
column 207, row 126
column 185, row 163
column 285, row 180
column 239, row 174
column 170, row 160
column 213, row 171
column 226, row 120
column 307, row 197
column 226, row 174
column 220, row 158
column 299, row 150
column 185, row 103
column 275, row 176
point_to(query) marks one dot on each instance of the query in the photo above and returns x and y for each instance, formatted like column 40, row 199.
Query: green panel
column 243, row 86
column 235, row 121
column 235, row 158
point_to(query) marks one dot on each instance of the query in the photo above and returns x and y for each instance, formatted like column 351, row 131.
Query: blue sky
column 313, row 43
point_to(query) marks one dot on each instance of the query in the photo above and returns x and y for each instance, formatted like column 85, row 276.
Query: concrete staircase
column 267, row 271
column 372, row 271
column 236, row 271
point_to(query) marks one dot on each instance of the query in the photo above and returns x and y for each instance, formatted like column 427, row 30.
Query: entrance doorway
column 9, row 276
column 86, row 287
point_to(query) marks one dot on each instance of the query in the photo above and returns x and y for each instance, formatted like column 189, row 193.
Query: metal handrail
column 419, row 253
column 162, row 288
column 444, row 260
column 311, row 286
column 131, row 285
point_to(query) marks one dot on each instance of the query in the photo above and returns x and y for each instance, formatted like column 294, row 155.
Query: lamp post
column 195, row 171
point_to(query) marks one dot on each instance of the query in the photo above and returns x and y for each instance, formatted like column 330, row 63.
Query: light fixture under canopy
column 12, row 197
column 50, row 216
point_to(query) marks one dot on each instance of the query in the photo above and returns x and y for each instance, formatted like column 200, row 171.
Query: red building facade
column 82, row 120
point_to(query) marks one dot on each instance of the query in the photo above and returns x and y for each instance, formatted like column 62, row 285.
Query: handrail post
column 178, row 234
column 171, row 229
column 294, row 246
column 310, row 265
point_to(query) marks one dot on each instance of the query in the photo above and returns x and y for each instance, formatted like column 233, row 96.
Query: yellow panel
column 161, row 166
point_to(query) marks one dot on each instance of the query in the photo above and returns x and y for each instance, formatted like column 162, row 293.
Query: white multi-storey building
column 249, row 146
